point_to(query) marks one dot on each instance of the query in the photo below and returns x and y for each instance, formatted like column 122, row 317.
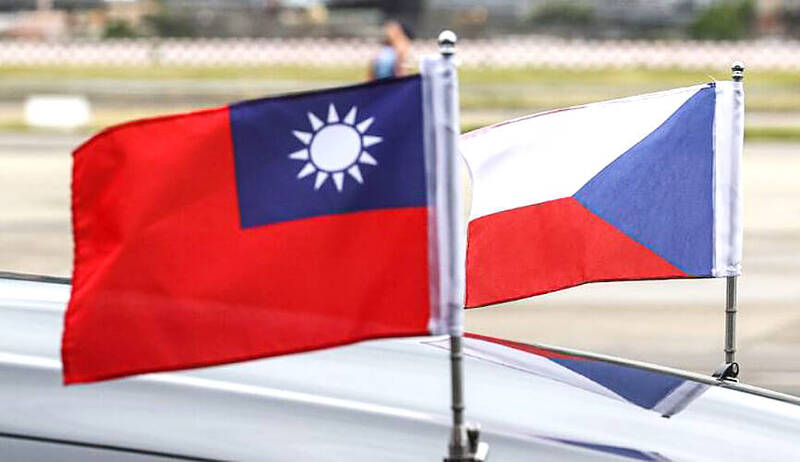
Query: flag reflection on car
column 656, row 391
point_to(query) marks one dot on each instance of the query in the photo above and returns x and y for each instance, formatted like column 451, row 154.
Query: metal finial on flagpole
column 737, row 71
column 447, row 43
column 729, row 370
column 464, row 445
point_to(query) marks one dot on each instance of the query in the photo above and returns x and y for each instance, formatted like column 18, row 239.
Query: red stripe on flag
column 549, row 246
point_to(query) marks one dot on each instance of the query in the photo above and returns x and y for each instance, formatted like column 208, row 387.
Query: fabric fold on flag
column 267, row 227
column 646, row 187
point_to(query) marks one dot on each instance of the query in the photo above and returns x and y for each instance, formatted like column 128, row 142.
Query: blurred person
column 396, row 45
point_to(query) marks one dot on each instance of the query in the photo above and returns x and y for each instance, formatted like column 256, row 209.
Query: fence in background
column 497, row 52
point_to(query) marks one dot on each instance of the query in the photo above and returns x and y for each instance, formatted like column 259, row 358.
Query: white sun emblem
column 335, row 147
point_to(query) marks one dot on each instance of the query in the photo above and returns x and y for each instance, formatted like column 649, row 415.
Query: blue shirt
column 384, row 65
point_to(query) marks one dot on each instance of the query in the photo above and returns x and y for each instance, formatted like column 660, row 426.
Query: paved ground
column 676, row 323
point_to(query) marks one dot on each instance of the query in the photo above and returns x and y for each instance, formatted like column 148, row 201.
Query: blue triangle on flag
column 660, row 192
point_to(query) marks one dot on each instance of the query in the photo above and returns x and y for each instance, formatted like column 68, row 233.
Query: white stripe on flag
column 552, row 155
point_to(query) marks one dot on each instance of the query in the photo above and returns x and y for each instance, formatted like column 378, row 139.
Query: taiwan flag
column 646, row 187
column 267, row 227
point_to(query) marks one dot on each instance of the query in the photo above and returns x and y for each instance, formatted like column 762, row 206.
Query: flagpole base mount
column 476, row 450
column 727, row 371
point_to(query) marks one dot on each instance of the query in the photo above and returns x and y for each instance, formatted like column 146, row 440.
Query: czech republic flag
column 267, row 227
column 638, row 188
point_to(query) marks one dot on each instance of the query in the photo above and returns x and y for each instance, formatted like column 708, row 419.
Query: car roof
column 381, row 400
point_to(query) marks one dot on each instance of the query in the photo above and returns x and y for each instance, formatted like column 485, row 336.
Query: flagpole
column 730, row 320
column 464, row 445
column 730, row 369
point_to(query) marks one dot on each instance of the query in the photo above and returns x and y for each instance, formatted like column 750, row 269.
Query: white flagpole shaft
column 737, row 75
column 448, row 161
column 454, row 296
column 730, row 368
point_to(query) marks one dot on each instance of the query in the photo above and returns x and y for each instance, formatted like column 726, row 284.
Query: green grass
column 788, row 134
column 512, row 88
column 535, row 102
column 629, row 76
column 468, row 75
column 751, row 133
column 528, row 89
column 487, row 94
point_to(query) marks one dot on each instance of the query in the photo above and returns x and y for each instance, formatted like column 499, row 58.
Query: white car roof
column 378, row 400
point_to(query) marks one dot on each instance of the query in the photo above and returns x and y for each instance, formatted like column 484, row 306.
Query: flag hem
column 728, row 141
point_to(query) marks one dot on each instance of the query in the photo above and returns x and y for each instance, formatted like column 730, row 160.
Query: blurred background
column 68, row 68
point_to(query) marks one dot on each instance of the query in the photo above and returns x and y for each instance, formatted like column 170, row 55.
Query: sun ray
column 350, row 118
column 299, row 155
column 315, row 122
column 338, row 180
column 320, row 180
column 371, row 140
column 366, row 158
column 307, row 169
column 364, row 125
column 304, row 137
column 333, row 117
column 355, row 172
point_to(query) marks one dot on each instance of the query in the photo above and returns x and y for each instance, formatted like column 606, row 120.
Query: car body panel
column 376, row 400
